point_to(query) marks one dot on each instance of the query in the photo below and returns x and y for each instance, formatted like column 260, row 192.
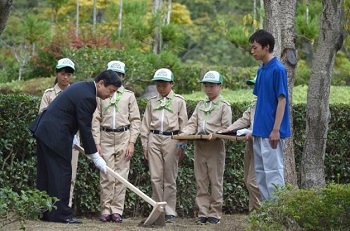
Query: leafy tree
column 205, row 37
column 307, row 27
column 180, row 14
column 34, row 29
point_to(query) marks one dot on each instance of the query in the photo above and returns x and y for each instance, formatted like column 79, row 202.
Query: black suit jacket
column 70, row 111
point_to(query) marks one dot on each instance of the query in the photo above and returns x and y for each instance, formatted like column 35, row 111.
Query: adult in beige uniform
column 116, row 126
column 165, row 115
column 245, row 121
column 64, row 72
column 210, row 115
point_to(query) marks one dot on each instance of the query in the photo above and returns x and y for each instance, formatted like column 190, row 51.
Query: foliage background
column 18, row 159
column 202, row 35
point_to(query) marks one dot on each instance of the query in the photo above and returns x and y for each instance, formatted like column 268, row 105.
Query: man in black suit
column 54, row 129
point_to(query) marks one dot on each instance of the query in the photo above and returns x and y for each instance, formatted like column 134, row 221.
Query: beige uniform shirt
column 118, row 111
column 49, row 95
column 171, row 118
column 246, row 120
column 209, row 117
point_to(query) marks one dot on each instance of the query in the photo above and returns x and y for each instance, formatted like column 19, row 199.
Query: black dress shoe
column 73, row 221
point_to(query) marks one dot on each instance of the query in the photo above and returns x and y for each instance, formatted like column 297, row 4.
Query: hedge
column 18, row 160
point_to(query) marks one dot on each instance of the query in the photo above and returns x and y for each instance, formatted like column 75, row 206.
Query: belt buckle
column 160, row 132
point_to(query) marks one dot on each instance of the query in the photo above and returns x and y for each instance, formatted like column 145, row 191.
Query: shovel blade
column 157, row 216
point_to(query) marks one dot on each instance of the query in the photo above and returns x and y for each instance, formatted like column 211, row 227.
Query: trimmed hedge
column 305, row 209
column 18, row 159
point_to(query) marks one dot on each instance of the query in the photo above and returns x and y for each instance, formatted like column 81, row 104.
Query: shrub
column 305, row 209
column 28, row 204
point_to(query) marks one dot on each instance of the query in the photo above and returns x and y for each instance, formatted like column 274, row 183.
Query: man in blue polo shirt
column 271, row 121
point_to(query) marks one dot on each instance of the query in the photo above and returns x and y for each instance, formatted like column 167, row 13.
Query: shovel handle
column 131, row 186
column 121, row 179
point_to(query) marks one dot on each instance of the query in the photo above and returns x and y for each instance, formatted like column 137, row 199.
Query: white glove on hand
column 242, row 132
column 75, row 141
column 99, row 162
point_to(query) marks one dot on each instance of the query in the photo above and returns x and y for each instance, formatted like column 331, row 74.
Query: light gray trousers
column 268, row 165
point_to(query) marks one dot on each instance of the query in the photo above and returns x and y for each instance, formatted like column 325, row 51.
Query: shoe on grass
column 213, row 220
column 169, row 218
column 202, row 220
column 105, row 217
column 116, row 217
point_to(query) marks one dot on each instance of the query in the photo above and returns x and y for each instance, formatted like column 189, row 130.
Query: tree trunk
column 5, row 7
column 168, row 13
column 280, row 21
column 77, row 20
column 120, row 19
column 254, row 10
column 261, row 25
column 318, row 115
column 94, row 18
column 157, row 6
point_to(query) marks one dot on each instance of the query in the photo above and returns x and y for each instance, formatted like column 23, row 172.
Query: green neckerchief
column 114, row 102
column 207, row 110
column 165, row 105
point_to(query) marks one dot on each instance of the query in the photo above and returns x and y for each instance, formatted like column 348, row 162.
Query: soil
column 228, row 223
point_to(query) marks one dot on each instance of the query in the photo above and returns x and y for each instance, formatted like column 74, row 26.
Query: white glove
column 75, row 141
column 242, row 132
column 99, row 162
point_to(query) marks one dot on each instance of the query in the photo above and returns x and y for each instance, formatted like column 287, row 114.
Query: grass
column 338, row 94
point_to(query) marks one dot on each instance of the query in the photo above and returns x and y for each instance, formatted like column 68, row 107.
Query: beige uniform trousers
column 163, row 165
column 249, row 177
column 112, row 191
column 247, row 120
column 209, row 165
column 75, row 157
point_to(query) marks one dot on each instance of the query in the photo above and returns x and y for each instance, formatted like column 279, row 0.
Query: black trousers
column 54, row 175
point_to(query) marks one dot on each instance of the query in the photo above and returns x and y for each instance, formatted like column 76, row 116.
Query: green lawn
column 37, row 87
column 337, row 95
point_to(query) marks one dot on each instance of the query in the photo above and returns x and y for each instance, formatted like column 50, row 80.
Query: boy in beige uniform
column 165, row 115
column 245, row 121
column 116, row 126
column 210, row 116
column 64, row 72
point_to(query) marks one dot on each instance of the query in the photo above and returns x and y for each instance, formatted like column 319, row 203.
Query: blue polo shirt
column 271, row 82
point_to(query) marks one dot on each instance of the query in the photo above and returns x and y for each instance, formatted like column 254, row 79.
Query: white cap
column 163, row 74
column 65, row 62
column 116, row 66
column 212, row 77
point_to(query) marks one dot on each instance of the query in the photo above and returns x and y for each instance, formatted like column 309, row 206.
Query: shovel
column 157, row 216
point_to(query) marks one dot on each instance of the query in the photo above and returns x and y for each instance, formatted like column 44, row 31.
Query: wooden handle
column 121, row 179
column 206, row 137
